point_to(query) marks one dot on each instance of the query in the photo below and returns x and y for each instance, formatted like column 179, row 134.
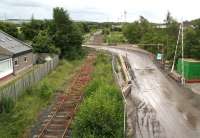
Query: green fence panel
column 191, row 69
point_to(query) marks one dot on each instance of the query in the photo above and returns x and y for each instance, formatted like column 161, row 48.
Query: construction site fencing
column 16, row 87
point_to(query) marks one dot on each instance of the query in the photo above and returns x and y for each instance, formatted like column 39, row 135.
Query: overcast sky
column 102, row 10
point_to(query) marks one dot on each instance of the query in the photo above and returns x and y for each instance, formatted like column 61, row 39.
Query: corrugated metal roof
column 12, row 44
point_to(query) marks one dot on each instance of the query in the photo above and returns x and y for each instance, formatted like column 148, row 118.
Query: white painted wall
column 6, row 67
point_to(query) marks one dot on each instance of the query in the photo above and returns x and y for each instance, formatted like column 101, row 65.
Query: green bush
column 106, row 31
column 45, row 91
column 101, row 115
column 101, row 59
column 29, row 90
column 6, row 105
column 115, row 38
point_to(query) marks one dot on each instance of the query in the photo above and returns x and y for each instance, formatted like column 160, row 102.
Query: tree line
column 60, row 35
column 145, row 32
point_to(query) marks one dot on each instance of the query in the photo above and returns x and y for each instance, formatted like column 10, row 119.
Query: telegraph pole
column 182, row 49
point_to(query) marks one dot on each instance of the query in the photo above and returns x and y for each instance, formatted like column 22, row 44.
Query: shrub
column 29, row 90
column 45, row 90
column 115, row 38
column 92, row 87
column 101, row 115
column 6, row 105
column 101, row 59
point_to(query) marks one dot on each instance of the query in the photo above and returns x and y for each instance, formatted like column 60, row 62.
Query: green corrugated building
column 191, row 69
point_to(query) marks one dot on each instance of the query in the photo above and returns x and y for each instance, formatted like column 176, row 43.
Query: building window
column 25, row 59
column 16, row 62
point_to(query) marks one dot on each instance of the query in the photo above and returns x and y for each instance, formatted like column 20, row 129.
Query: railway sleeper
column 75, row 97
column 69, row 110
column 53, row 132
column 78, row 94
column 57, row 126
column 70, row 102
column 50, row 136
column 60, row 120
column 64, row 114
column 68, row 106
column 63, row 108
column 76, row 89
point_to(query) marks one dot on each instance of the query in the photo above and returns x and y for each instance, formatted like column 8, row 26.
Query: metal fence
column 17, row 87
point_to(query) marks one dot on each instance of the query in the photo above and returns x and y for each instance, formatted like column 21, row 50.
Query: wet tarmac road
column 158, row 115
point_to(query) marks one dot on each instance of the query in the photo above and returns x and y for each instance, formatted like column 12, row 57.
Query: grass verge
column 115, row 38
column 15, row 123
column 101, row 113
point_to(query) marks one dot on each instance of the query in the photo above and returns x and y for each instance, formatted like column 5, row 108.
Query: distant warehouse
column 15, row 55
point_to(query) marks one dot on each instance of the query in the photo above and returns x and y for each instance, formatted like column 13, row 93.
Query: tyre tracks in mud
column 142, row 119
column 147, row 125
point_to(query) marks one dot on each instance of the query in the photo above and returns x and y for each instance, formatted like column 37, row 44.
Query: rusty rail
column 68, row 104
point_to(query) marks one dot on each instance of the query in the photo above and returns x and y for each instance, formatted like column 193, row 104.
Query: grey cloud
column 88, row 15
column 21, row 3
column 88, row 12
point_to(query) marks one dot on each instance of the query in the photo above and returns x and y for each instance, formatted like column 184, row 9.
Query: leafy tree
column 192, row 42
column 9, row 28
column 132, row 32
column 136, row 30
column 42, row 43
column 106, row 31
column 172, row 29
column 145, row 25
column 66, row 35
column 84, row 28
column 144, row 32
column 32, row 29
column 169, row 19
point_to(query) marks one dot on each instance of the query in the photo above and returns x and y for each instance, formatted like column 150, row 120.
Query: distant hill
column 16, row 21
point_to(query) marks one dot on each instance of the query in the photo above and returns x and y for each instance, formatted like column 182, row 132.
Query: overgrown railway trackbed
column 58, row 121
